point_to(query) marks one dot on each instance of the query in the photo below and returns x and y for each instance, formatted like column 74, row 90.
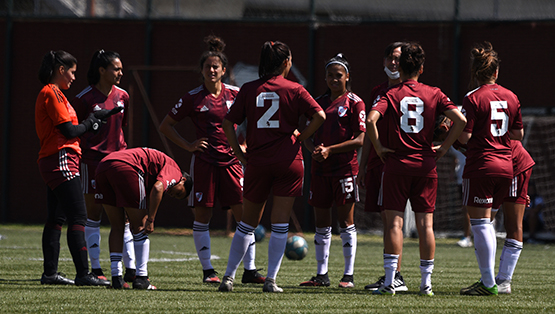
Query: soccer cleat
column 99, row 273
column 142, row 283
column 270, row 286
column 226, row 285
column 398, row 283
column 90, row 279
column 376, row 285
column 209, row 276
column 347, row 282
column 55, row 279
column 384, row 290
column 252, row 276
column 318, row 281
column 426, row 291
column 465, row 242
column 130, row 274
column 479, row 289
column 118, row 283
column 503, row 286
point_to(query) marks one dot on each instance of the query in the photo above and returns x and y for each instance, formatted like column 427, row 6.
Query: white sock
column 390, row 266
column 142, row 252
column 349, row 240
column 276, row 247
column 239, row 246
column 128, row 248
column 322, row 242
column 426, row 269
column 483, row 244
column 92, row 234
column 509, row 258
column 116, row 267
column 494, row 237
column 248, row 259
column 201, row 235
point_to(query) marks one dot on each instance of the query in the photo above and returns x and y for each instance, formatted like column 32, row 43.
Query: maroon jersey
column 110, row 136
column 207, row 113
column 377, row 93
column 345, row 118
column 272, row 107
column 491, row 112
column 522, row 160
column 151, row 163
column 410, row 110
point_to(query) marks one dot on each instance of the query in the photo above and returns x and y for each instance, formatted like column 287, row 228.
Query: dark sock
column 51, row 247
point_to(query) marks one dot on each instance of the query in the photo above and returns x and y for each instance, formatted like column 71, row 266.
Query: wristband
column 150, row 219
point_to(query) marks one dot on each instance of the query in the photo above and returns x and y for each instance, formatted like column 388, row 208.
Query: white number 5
column 498, row 116
column 264, row 122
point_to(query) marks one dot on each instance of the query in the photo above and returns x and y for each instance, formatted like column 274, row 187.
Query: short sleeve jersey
column 151, row 163
column 207, row 113
column 110, row 137
column 522, row 160
column 410, row 110
column 52, row 109
column 377, row 93
column 272, row 106
column 345, row 118
column 491, row 112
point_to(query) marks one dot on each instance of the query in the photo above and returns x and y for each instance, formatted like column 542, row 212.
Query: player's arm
column 321, row 152
column 459, row 122
column 315, row 122
column 229, row 130
column 167, row 128
column 70, row 130
column 374, row 136
column 516, row 134
column 366, row 146
column 155, row 198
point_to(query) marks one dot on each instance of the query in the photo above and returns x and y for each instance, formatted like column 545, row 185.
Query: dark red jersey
column 151, row 163
column 207, row 114
column 110, row 137
column 522, row 160
column 345, row 118
column 410, row 110
column 491, row 111
column 272, row 107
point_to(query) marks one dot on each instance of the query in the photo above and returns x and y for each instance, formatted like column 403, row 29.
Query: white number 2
column 264, row 122
column 498, row 116
column 415, row 115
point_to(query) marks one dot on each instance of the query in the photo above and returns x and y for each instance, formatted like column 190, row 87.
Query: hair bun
column 214, row 43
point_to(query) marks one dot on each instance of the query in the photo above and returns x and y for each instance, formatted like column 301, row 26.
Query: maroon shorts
column 211, row 182
column 283, row 178
column 120, row 185
column 88, row 170
column 485, row 192
column 519, row 188
column 326, row 191
column 397, row 189
column 373, row 182
column 59, row 168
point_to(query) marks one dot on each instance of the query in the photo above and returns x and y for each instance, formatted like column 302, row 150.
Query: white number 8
column 412, row 114
column 264, row 122
column 498, row 115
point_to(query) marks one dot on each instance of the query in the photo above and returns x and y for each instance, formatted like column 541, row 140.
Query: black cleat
column 130, row 274
column 253, row 276
column 56, row 279
column 90, row 279
column 142, row 283
column 318, row 281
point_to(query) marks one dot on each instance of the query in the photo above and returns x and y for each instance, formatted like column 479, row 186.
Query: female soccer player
column 371, row 166
column 58, row 130
column 273, row 158
column 410, row 111
column 123, row 180
column 335, row 168
column 105, row 72
column 494, row 118
column 215, row 170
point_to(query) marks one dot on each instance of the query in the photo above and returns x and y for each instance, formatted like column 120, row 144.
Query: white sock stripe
column 477, row 222
column 350, row 229
column 138, row 237
column 200, row 227
column 426, row 262
column 280, row 228
column 114, row 258
column 513, row 244
column 244, row 228
column 92, row 223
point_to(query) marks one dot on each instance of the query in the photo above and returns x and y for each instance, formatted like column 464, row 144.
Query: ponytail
column 53, row 60
column 272, row 55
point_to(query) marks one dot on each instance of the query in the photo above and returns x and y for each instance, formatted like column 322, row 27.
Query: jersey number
column 412, row 108
column 498, row 116
column 264, row 122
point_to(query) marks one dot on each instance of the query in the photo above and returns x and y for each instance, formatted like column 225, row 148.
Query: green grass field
column 176, row 272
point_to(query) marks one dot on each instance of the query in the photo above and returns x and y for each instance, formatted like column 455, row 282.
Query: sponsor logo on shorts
column 198, row 195
column 478, row 200
column 98, row 196
column 93, row 184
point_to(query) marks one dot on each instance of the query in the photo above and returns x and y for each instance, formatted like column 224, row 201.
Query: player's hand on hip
column 199, row 145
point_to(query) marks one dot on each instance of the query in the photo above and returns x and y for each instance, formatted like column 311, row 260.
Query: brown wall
column 525, row 65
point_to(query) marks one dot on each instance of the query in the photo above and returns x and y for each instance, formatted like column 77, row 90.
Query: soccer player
column 410, row 109
column 494, row 118
column 104, row 74
column 123, row 180
column 334, row 169
column 216, row 171
column 273, row 158
column 370, row 176
column 58, row 131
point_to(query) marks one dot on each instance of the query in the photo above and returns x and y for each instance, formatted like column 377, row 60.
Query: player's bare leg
column 427, row 245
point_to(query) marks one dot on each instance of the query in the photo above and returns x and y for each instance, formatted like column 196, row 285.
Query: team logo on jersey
column 204, row 108
column 170, row 183
column 228, row 103
column 342, row 111
column 96, row 108
column 120, row 103
column 198, row 195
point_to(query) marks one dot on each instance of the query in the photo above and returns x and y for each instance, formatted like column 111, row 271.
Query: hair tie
column 337, row 62
column 272, row 43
